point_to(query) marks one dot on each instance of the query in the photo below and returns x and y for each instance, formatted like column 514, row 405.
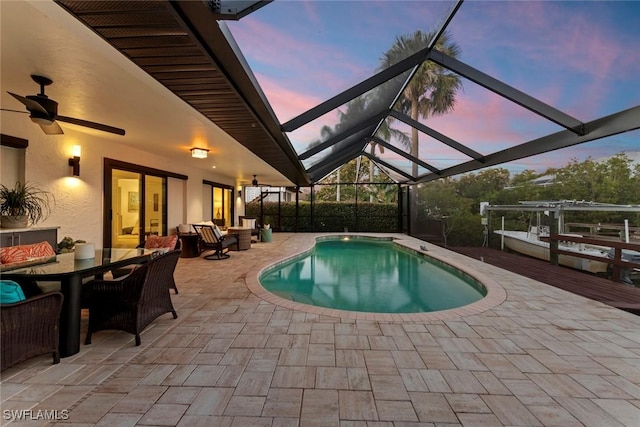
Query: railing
column 616, row 261
column 604, row 231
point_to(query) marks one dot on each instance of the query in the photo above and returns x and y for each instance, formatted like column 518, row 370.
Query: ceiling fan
column 44, row 112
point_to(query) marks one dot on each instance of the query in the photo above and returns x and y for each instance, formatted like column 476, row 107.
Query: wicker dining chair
column 132, row 302
column 159, row 243
column 30, row 328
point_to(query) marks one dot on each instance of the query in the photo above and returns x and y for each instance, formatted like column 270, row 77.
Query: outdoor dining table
column 70, row 272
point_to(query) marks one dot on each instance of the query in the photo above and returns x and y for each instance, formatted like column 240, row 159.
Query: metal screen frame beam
column 370, row 83
column 437, row 135
column 379, row 162
column 623, row 121
column 496, row 86
column 407, row 156
column 343, row 135
column 325, row 167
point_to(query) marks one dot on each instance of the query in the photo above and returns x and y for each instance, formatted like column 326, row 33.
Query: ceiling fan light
column 255, row 181
column 199, row 153
column 42, row 121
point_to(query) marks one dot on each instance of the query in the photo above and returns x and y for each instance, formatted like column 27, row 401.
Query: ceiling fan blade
column 93, row 125
column 52, row 129
column 30, row 103
column 14, row 111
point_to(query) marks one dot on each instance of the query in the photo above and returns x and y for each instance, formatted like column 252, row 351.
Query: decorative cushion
column 156, row 242
column 184, row 228
column 11, row 254
column 249, row 223
column 10, row 292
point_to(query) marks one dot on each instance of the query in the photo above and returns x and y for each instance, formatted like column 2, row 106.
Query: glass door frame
column 223, row 187
column 107, row 221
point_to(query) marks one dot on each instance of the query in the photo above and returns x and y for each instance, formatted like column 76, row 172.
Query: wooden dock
column 578, row 282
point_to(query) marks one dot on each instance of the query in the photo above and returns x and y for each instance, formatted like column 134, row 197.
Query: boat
column 530, row 243
column 535, row 241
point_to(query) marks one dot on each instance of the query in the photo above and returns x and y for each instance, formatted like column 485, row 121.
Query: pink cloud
column 326, row 72
column 287, row 103
column 486, row 122
column 574, row 61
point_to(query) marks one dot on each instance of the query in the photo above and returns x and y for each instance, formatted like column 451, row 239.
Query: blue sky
column 580, row 57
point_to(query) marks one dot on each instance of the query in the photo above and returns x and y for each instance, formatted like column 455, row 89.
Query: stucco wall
column 79, row 200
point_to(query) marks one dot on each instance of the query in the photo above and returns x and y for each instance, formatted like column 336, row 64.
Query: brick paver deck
column 535, row 356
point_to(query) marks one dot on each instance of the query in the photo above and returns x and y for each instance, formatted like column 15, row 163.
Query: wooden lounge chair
column 212, row 239
column 30, row 328
column 131, row 303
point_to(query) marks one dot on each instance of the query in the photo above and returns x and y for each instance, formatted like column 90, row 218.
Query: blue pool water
column 362, row 274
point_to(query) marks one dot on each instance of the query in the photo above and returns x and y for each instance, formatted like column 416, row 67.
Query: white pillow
column 249, row 223
column 184, row 228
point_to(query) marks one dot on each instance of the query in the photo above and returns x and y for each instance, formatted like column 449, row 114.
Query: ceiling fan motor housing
column 44, row 111
column 49, row 105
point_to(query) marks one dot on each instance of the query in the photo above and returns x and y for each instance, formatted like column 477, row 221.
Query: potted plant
column 67, row 244
column 24, row 204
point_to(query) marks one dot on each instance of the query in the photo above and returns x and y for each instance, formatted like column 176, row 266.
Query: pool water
column 369, row 275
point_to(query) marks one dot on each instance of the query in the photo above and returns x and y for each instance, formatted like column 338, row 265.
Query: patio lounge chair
column 131, row 303
column 252, row 223
column 212, row 238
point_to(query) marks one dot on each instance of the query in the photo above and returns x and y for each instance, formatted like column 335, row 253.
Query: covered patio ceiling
column 186, row 47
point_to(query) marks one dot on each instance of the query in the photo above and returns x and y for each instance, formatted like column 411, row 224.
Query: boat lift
column 623, row 256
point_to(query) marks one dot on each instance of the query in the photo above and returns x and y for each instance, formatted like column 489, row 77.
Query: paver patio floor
column 535, row 356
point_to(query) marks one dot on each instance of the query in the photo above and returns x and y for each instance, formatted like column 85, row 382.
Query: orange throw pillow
column 157, row 242
column 20, row 253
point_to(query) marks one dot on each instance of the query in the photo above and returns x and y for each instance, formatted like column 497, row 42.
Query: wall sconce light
column 74, row 161
column 240, row 194
column 199, row 153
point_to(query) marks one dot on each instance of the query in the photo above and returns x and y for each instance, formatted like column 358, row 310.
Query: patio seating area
column 542, row 357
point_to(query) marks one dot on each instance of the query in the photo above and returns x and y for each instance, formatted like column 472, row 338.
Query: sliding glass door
column 125, row 230
column 136, row 204
column 219, row 203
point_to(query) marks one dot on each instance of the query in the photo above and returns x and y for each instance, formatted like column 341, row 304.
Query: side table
column 190, row 247
column 244, row 238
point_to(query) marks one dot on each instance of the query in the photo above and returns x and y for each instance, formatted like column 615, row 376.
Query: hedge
column 328, row 216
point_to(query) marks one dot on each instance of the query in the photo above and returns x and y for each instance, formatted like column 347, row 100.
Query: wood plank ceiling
column 181, row 46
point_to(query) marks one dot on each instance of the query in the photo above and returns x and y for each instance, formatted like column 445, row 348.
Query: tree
column 432, row 89
column 485, row 186
column 440, row 200
column 348, row 173
column 385, row 132
column 524, row 177
column 609, row 181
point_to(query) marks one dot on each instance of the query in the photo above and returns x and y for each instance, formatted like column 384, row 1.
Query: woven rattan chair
column 212, row 239
column 132, row 302
column 30, row 328
column 177, row 244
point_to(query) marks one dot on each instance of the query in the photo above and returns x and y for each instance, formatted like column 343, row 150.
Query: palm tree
column 432, row 89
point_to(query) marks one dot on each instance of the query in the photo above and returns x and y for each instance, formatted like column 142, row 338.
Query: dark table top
column 66, row 264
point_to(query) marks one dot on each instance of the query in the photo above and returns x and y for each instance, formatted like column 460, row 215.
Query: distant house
column 270, row 194
column 546, row 180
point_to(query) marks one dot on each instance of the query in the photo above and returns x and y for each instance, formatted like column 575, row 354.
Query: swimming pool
column 365, row 274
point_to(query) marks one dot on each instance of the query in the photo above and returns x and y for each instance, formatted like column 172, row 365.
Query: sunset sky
column 580, row 57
